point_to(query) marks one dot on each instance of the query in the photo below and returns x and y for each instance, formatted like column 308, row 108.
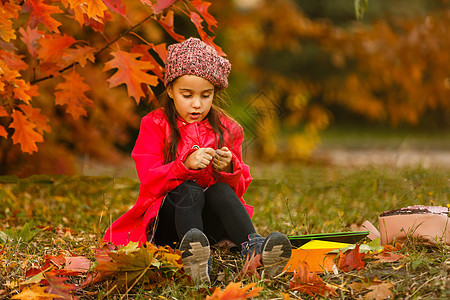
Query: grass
column 294, row 199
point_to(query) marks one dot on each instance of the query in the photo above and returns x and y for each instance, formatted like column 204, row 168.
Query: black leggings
column 217, row 212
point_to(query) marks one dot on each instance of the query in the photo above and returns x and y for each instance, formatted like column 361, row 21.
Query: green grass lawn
column 296, row 199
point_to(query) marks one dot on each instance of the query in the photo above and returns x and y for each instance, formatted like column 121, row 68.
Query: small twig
column 99, row 51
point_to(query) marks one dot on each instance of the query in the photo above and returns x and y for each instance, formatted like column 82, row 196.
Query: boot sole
column 196, row 252
column 276, row 252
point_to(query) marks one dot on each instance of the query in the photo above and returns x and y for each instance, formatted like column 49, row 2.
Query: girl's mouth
column 195, row 115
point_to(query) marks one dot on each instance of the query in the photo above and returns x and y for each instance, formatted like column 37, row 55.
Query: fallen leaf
column 351, row 260
column 234, row 291
column 57, row 285
column 380, row 291
column 250, row 266
column 309, row 282
column 35, row 292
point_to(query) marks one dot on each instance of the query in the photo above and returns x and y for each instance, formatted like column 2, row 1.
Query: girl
column 188, row 157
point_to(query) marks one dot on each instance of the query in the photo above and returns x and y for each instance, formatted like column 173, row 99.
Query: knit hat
column 194, row 57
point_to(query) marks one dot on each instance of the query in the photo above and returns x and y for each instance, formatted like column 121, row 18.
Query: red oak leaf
column 131, row 72
column 40, row 13
column 309, row 282
column 116, row 6
column 52, row 46
column 250, row 267
column 197, row 20
column 202, row 8
column 57, row 285
column 39, row 119
column 351, row 260
column 167, row 23
column 24, row 133
column 13, row 61
column 161, row 5
column 161, row 49
column 80, row 55
column 30, row 37
column 71, row 93
column 146, row 56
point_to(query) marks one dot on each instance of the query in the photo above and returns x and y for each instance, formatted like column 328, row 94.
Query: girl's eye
column 206, row 96
column 187, row 96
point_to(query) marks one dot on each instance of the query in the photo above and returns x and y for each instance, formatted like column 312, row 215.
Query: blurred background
column 315, row 82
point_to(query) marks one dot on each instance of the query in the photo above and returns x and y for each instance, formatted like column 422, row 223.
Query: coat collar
column 182, row 123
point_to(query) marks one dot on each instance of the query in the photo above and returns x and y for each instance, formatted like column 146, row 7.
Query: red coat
column 157, row 178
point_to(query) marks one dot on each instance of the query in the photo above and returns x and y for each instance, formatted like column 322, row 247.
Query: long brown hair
column 171, row 146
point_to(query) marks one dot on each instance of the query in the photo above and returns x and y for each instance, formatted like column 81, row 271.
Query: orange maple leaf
column 351, row 260
column 80, row 55
column 35, row 292
column 3, row 113
column 146, row 56
column 309, row 282
column 92, row 8
column 39, row 119
column 71, row 93
column 52, row 46
column 24, row 133
column 13, row 61
column 30, row 37
column 202, row 8
column 8, row 11
column 130, row 71
column 40, row 13
column 234, row 291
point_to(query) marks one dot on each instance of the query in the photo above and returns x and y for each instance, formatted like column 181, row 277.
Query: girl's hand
column 199, row 159
column 222, row 160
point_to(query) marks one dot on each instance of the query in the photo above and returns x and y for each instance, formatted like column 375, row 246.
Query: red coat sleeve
column 148, row 153
column 240, row 179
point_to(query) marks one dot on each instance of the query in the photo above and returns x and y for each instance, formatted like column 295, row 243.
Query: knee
column 187, row 194
column 220, row 187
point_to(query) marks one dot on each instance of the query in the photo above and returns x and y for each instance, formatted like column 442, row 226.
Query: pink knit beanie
column 194, row 57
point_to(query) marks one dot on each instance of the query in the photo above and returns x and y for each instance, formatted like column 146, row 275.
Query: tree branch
column 99, row 51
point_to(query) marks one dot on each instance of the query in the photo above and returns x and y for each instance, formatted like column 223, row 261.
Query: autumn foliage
column 60, row 62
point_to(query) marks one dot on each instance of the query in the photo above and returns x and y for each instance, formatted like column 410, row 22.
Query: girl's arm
column 148, row 154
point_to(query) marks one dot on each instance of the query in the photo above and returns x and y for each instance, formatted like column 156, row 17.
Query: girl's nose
column 196, row 103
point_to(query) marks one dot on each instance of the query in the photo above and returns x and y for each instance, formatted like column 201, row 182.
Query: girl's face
column 192, row 96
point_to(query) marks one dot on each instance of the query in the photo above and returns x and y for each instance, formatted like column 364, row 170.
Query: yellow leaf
column 35, row 292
